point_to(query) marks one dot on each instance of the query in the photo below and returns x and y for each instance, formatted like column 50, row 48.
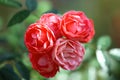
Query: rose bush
column 52, row 21
column 44, row 64
column 39, row 38
column 76, row 26
column 68, row 53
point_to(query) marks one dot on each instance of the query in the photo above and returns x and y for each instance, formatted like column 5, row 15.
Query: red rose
column 75, row 25
column 53, row 22
column 39, row 38
column 68, row 53
column 44, row 64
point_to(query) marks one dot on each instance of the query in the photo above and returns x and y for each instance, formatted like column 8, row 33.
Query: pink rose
column 68, row 53
column 44, row 64
column 76, row 26
column 52, row 21
column 39, row 38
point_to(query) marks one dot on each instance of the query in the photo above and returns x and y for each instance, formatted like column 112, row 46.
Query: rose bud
column 39, row 38
column 53, row 22
column 44, row 64
column 76, row 26
column 68, row 53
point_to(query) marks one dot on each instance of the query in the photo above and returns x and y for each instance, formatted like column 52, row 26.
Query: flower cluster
column 56, row 41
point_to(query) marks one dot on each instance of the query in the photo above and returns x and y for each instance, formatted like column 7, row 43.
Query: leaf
column 103, row 60
column 104, row 42
column 107, row 63
column 11, row 3
column 115, row 53
column 22, row 69
column 14, row 71
column 7, row 73
column 31, row 4
column 19, row 17
column 6, row 56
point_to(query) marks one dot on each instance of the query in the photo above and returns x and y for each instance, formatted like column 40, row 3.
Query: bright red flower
column 39, row 38
column 44, row 64
column 68, row 53
column 76, row 26
column 52, row 21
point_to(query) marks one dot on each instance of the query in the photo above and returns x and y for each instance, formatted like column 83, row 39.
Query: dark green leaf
column 104, row 42
column 11, row 3
column 7, row 73
column 31, row 4
column 25, row 73
column 19, row 17
column 115, row 53
column 6, row 56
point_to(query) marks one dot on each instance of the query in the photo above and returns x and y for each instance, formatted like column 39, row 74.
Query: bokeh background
column 102, row 57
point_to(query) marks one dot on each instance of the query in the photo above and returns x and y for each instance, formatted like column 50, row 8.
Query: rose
column 76, row 26
column 52, row 21
column 68, row 53
column 39, row 38
column 44, row 64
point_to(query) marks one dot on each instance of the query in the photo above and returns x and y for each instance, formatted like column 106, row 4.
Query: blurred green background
column 102, row 57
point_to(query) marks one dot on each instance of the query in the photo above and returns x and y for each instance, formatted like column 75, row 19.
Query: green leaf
column 103, row 59
column 6, row 56
column 22, row 70
column 115, row 53
column 19, row 17
column 7, row 73
column 11, row 3
column 31, row 4
column 107, row 63
column 104, row 42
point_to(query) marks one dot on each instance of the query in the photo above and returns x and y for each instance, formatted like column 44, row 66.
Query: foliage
column 100, row 61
